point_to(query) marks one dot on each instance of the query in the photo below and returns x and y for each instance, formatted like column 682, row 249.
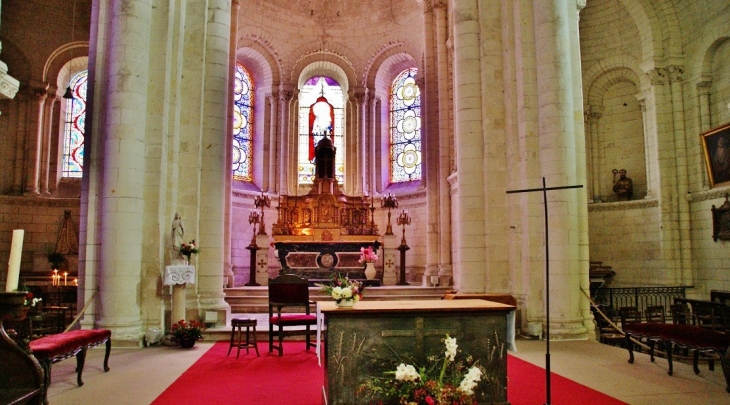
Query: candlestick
column 16, row 250
column 64, row 278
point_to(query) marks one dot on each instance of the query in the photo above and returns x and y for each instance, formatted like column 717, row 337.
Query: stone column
column 593, row 116
column 272, row 135
column 35, row 136
column 17, row 118
column 648, row 165
column 214, row 168
column 47, row 144
column 556, row 74
column 682, row 173
column 429, row 145
column 124, row 107
column 469, row 227
column 373, row 180
column 262, row 259
column 444, row 145
column 285, row 96
column 358, row 146
column 703, row 101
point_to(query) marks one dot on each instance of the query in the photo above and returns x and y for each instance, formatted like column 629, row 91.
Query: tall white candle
column 16, row 249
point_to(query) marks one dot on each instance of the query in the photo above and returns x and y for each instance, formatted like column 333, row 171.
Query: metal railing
column 614, row 298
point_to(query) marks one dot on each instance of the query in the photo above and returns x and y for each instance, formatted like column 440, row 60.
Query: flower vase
column 370, row 271
column 345, row 303
column 186, row 342
column 187, row 260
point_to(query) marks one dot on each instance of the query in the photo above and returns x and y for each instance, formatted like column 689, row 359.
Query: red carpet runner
column 296, row 379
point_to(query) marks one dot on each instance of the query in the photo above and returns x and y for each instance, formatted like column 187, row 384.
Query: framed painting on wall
column 716, row 148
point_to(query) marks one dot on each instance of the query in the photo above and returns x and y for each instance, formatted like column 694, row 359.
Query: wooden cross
column 420, row 333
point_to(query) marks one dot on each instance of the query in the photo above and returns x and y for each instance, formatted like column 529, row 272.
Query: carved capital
column 674, row 73
column 657, row 76
column 703, row 87
column 594, row 113
column 286, row 95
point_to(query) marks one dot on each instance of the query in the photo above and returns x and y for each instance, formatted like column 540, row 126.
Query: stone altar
column 414, row 329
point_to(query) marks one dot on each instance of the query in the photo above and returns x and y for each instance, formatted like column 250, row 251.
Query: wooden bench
column 54, row 348
column 695, row 338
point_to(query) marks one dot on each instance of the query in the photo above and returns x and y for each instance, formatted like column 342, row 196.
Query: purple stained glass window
column 405, row 128
column 73, row 145
column 242, row 125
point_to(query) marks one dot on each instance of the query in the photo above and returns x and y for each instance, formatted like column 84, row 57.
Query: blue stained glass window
column 242, row 125
column 405, row 128
column 73, row 145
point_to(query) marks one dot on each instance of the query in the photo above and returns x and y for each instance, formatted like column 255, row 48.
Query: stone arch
column 324, row 62
column 19, row 65
column 385, row 65
column 259, row 60
column 597, row 87
column 619, row 62
column 64, row 62
column 705, row 63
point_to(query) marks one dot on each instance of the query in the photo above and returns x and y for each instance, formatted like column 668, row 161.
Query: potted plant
column 187, row 333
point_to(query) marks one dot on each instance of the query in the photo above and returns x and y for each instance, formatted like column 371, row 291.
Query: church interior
column 569, row 154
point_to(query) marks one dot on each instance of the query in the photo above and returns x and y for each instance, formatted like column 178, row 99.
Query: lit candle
column 16, row 250
column 64, row 278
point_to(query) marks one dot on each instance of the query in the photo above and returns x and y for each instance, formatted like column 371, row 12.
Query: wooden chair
column 679, row 312
column 291, row 292
column 655, row 313
column 629, row 315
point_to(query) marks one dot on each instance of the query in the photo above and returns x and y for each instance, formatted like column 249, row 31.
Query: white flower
column 450, row 347
column 470, row 381
column 406, row 373
column 337, row 293
column 347, row 293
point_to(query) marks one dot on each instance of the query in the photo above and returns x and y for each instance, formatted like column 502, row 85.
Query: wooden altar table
column 355, row 338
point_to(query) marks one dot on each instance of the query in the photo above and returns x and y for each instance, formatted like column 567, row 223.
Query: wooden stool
column 236, row 325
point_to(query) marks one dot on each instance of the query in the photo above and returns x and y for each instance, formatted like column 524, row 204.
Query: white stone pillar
column 285, row 96
column 648, row 166
column 35, row 137
column 47, row 144
column 359, row 144
column 273, row 138
column 124, row 107
column 444, row 145
column 558, row 162
column 430, row 145
column 262, row 260
column 16, row 120
column 214, row 168
column 682, row 173
column 593, row 116
column 469, row 228
column 703, row 101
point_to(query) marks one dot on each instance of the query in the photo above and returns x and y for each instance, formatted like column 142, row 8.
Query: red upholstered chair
column 290, row 310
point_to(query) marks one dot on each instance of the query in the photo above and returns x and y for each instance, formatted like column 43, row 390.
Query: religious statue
column 178, row 232
column 624, row 186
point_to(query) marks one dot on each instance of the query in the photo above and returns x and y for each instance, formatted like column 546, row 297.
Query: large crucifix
column 547, row 276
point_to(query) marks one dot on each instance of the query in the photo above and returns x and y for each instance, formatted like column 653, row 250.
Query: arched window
column 310, row 102
column 405, row 128
column 73, row 129
column 242, row 125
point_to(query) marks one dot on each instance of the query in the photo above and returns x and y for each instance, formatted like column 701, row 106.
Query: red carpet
column 526, row 386
column 296, row 379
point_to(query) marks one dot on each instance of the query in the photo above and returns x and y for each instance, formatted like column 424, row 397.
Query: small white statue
column 178, row 233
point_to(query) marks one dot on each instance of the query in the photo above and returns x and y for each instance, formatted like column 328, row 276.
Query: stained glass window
column 242, row 125
column 405, row 128
column 73, row 145
column 310, row 96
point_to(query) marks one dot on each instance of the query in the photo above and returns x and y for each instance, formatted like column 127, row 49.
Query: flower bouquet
column 367, row 255
column 187, row 249
column 187, row 333
column 344, row 291
column 446, row 381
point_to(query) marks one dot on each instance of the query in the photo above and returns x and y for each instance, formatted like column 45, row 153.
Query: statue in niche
column 324, row 159
column 624, row 186
column 178, row 233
